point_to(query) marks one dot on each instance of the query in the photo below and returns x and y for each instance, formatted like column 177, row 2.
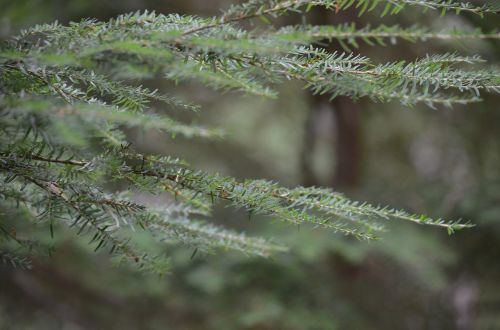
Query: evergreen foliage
column 68, row 92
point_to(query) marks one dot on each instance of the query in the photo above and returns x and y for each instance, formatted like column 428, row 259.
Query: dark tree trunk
column 347, row 145
column 348, row 142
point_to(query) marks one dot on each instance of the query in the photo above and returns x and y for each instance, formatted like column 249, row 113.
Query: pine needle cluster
column 67, row 92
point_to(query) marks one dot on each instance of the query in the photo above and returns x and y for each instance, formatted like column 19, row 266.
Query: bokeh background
column 441, row 162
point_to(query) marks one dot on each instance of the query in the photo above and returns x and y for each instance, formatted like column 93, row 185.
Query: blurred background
column 444, row 163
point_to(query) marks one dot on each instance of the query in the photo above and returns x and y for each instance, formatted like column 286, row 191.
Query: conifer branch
column 61, row 87
column 255, row 8
column 268, row 199
column 379, row 35
column 15, row 260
